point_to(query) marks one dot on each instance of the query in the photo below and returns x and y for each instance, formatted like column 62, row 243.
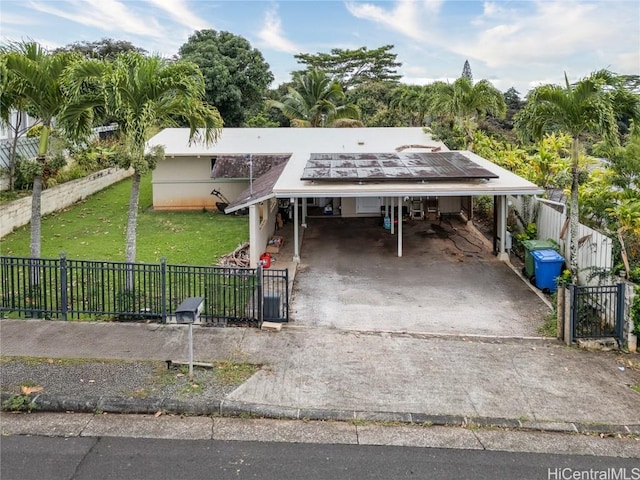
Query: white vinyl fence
column 595, row 250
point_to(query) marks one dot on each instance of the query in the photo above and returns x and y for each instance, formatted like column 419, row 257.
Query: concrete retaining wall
column 4, row 181
column 18, row 213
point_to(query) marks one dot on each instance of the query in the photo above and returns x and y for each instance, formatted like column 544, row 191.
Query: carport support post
column 296, row 233
column 392, row 219
column 399, row 226
column 502, row 222
column 304, row 213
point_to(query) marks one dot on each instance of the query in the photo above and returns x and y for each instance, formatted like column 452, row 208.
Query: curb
column 233, row 408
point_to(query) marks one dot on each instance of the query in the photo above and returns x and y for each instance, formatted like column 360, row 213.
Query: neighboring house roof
column 301, row 143
column 245, row 166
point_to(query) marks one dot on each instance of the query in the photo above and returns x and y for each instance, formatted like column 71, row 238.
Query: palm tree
column 414, row 102
column 592, row 105
column 12, row 114
column 466, row 103
column 141, row 94
column 38, row 81
column 314, row 100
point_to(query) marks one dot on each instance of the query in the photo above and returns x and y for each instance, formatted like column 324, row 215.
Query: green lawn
column 94, row 229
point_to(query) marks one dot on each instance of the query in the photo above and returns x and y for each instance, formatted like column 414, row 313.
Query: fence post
column 286, row 292
column 163, row 286
column 63, row 285
column 260, row 293
column 620, row 314
column 571, row 325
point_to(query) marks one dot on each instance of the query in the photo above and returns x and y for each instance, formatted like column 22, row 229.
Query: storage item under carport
column 531, row 246
column 548, row 266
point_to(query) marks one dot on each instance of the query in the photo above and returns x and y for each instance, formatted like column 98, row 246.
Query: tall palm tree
column 465, row 103
column 12, row 114
column 39, row 84
column 591, row 105
column 315, row 100
column 141, row 94
column 413, row 101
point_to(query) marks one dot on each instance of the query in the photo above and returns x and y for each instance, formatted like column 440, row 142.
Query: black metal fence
column 62, row 288
column 597, row 312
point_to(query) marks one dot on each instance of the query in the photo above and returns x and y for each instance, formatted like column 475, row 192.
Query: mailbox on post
column 189, row 310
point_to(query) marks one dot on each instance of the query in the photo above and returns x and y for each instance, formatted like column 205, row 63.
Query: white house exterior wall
column 184, row 183
column 260, row 232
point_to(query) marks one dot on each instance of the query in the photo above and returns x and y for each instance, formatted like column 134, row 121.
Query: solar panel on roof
column 418, row 166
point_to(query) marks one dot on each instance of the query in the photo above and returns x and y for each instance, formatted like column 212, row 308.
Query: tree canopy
column 36, row 80
column 592, row 105
column 466, row 71
column 465, row 103
column 142, row 94
column 316, row 100
column 355, row 67
column 105, row 49
column 236, row 75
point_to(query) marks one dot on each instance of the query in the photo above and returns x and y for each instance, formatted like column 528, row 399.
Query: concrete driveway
column 446, row 282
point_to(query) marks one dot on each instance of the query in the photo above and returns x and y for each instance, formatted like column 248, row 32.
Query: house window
column 213, row 162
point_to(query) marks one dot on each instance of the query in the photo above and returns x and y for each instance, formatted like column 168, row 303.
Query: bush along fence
column 92, row 289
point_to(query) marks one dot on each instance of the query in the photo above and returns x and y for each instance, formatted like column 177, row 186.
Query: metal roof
column 261, row 189
column 300, row 143
column 367, row 167
column 245, row 166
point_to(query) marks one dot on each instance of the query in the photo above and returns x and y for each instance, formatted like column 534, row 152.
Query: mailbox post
column 188, row 312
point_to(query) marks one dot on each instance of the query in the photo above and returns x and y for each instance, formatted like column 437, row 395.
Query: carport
column 358, row 170
column 394, row 180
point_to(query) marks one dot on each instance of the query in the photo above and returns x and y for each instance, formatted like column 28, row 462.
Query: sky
column 518, row 44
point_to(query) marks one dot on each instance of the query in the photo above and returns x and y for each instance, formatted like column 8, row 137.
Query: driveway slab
column 446, row 281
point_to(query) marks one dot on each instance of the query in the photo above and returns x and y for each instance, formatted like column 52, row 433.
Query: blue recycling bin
column 548, row 266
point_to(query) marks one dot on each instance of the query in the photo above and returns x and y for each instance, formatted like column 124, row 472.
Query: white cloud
column 554, row 30
column 107, row 15
column 404, row 17
column 627, row 63
column 272, row 36
column 181, row 13
column 433, row 6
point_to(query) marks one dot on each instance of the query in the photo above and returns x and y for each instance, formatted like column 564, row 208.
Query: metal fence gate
column 597, row 312
column 275, row 294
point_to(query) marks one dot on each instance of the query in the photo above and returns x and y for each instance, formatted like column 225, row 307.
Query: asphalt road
column 58, row 458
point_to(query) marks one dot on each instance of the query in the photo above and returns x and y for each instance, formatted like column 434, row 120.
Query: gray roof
column 245, row 166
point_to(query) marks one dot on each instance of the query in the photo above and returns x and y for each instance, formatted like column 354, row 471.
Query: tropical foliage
column 315, row 100
column 353, row 68
column 464, row 104
column 236, row 74
column 142, row 94
column 592, row 105
column 33, row 79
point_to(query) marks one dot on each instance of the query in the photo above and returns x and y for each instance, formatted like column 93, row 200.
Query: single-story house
column 346, row 172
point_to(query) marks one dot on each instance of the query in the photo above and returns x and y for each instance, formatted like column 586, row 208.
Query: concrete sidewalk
column 321, row 373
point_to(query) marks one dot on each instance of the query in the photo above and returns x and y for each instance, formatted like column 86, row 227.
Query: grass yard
column 94, row 229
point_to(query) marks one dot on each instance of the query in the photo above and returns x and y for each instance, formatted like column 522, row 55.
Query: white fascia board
column 410, row 192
